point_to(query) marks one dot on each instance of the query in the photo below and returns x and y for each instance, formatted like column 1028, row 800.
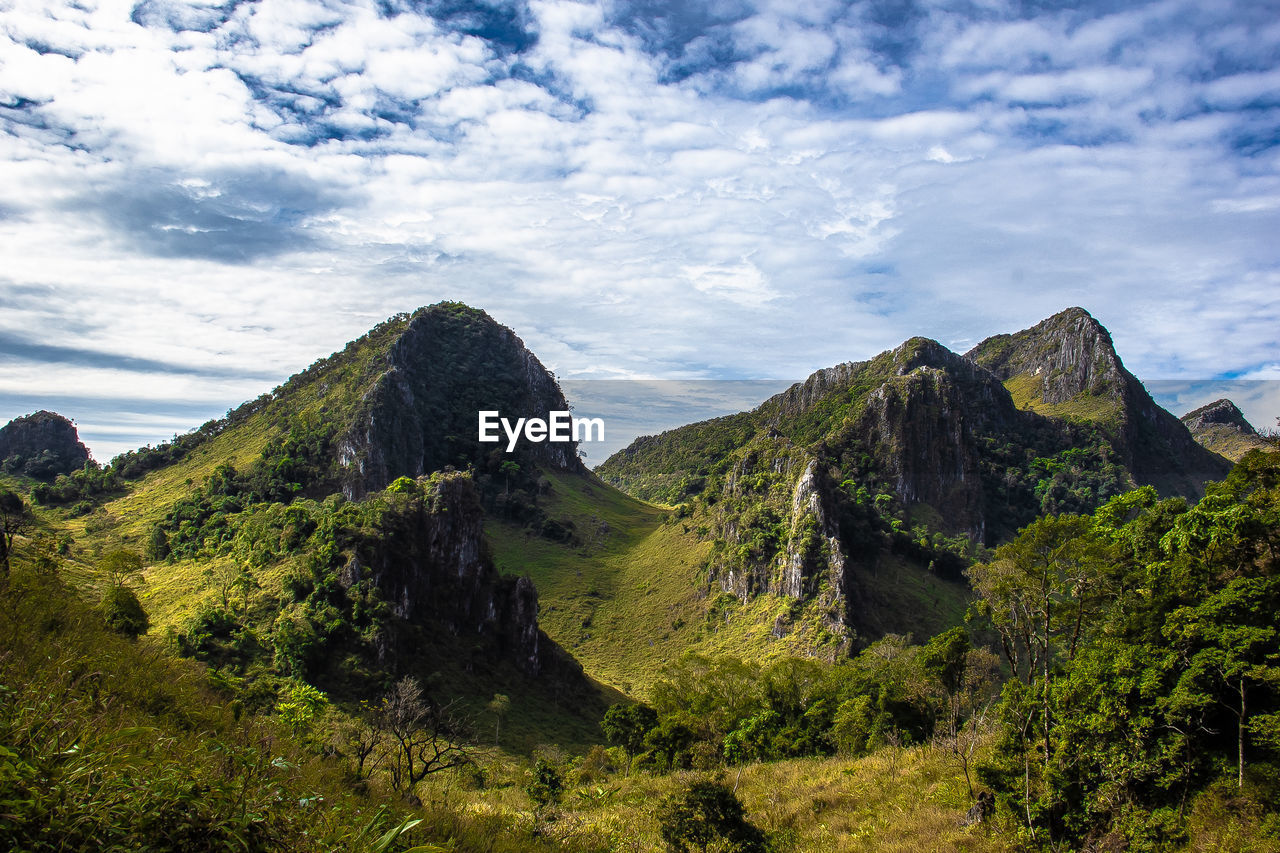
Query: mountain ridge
column 910, row 455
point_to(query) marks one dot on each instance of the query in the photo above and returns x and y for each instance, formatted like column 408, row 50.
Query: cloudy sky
column 199, row 199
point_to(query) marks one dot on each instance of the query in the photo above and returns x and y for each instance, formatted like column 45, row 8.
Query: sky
column 199, row 199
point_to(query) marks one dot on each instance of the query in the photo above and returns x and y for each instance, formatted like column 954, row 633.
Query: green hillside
column 633, row 595
column 793, row 647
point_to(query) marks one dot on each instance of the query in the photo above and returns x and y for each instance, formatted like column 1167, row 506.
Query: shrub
column 708, row 812
column 547, row 786
column 123, row 612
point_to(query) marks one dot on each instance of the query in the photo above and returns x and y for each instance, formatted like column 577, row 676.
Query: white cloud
column 251, row 195
column 741, row 283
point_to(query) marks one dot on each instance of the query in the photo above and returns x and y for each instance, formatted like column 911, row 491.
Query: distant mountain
column 914, row 460
column 1222, row 429
column 41, row 445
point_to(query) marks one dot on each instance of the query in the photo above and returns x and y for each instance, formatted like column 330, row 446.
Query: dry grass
column 895, row 801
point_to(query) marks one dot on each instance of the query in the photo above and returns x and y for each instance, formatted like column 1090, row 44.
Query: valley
column 812, row 598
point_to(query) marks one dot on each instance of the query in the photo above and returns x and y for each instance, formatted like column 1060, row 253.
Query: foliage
column 705, row 813
column 120, row 567
column 123, row 612
column 626, row 724
column 15, row 518
column 89, row 482
column 547, row 785
column 105, row 744
column 708, row 711
column 1146, row 659
column 303, row 705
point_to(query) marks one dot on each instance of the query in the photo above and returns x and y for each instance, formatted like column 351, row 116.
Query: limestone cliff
column 432, row 567
column 1067, row 367
column 41, row 445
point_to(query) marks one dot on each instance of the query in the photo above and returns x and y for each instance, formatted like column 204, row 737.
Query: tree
column 1041, row 592
column 15, row 518
column 625, row 725
column 508, row 468
column 705, row 813
column 425, row 737
column 668, row 739
column 499, row 705
column 1230, row 647
column 547, row 786
column 120, row 567
column 123, row 612
column 967, row 701
column 303, row 705
column 361, row 740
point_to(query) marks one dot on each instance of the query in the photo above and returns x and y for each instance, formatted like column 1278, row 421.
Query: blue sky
column 199, row 199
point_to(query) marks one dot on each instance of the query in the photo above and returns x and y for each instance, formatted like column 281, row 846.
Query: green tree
column 123, row 612
column 626, row 724
column 120, row 567
column 547, row 786
column 499, row 705
column 302, row 707
column 1230, row 649
column 509, row 469
column 668, row 739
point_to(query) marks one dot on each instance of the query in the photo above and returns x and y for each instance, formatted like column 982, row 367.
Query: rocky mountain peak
column 1066, row 367
column 41, row 445
column 1219, row 412
column 1068, row 354
column 420, row 415
column 1221, row 427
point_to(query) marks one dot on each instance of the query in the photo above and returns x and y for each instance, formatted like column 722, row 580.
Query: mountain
column 863, row 492
column 333, row 529
column 1222, row 429
column 1067, row 367
column 41, row 445
column 419, row 413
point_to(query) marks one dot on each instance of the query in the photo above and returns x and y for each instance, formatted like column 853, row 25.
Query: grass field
column 634, row 596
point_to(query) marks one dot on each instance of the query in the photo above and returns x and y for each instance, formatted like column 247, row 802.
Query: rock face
column 1218, row 413
column 1067, row 366
column 421, row 414
column 1068, row 355
column 924, row 424
column 42, row 445
column 433, row 569
column 1221, row 428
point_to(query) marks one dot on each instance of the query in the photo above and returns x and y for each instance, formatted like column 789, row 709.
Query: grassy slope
column 635, row 598
column 1229, row 442
column 1025, row 390
column 331, row 389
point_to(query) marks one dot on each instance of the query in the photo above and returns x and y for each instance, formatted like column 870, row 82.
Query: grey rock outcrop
column 41, row 445
column 420, row 415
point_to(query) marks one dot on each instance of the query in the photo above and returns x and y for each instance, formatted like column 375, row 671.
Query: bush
column 123, row 612
column 704, row 813
column 547, row 786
